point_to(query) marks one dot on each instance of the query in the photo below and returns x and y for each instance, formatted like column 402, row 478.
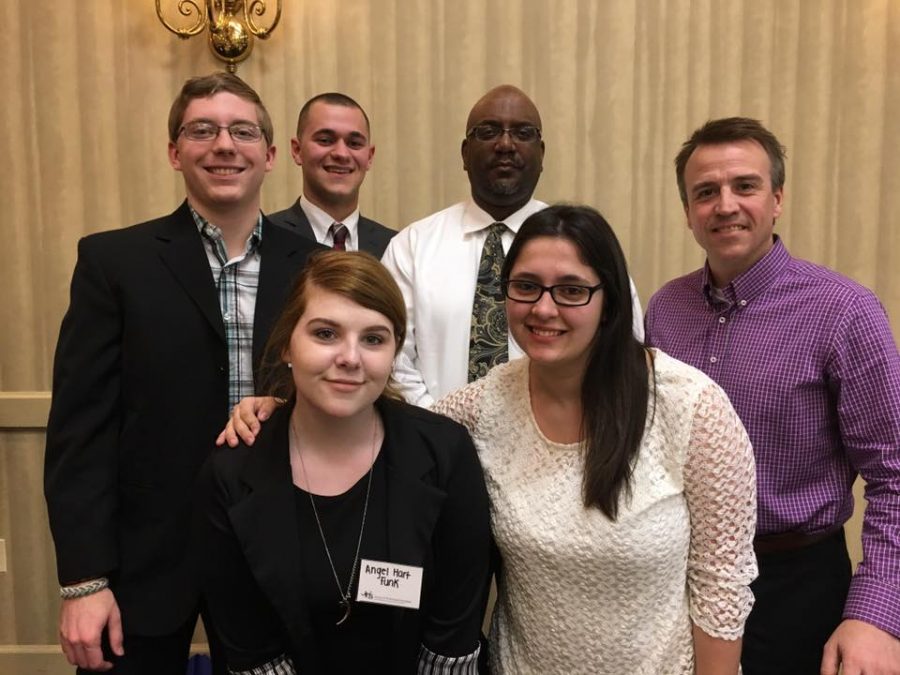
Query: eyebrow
column 327, row 130
column 378, row 327
column 752, row 177
column 209, row 120
column 513, row 124
column 564, row 279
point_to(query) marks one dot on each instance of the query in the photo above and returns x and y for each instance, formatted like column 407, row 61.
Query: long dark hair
column 615, row 390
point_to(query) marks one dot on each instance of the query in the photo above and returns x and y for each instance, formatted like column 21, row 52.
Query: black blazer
column 373, row 237
column 140, row 387
column 249, row 543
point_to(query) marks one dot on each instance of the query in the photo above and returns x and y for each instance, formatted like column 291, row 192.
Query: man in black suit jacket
column 165, row 322
column 334, row 151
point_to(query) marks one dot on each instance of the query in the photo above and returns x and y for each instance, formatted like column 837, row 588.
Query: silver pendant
column 345, row 605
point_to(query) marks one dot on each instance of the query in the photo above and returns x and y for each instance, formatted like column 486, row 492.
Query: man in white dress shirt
column 436, row 260
column 334, row 151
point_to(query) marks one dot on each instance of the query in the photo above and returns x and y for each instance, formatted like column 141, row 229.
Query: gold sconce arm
column 258, row 7
column 185, row 8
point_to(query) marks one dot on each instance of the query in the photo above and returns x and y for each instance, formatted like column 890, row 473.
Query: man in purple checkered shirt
column 808, row 360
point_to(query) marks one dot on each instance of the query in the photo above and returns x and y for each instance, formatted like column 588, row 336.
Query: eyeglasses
column 566, row 295
column 240, row 132
column 524, row 133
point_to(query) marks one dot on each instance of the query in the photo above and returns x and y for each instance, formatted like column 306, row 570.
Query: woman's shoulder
column 418, row 440
column 675, row 375
column 478, row 400
column 229, row 464
column 421, row 421
column 681, row 390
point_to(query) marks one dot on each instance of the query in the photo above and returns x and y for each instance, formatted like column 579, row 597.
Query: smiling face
column 503, row 173
column 731, row 206
column 341, row 355
column 334, row 152
column 553, row 335
column 221, row 173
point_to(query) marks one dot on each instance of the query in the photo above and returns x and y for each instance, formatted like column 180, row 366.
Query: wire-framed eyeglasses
column 523, row 133
column 240, row 132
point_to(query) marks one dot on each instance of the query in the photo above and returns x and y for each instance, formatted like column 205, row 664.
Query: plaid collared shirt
column 236, row 280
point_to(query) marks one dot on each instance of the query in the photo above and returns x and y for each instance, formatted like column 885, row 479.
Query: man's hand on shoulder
column 81, row 623
column 861, row 649
column 244, row 423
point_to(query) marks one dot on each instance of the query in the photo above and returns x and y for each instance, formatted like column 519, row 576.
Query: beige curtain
column 619, row 83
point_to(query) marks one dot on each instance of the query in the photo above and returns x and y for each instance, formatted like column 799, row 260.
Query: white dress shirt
column 321, row 223
column 435, row 263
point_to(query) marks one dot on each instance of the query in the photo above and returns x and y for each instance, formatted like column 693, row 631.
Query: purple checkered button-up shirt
column 808, row 360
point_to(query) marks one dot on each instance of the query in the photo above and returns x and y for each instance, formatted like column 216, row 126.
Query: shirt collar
column 320, row 221
column 748, row 285
column 475, row 218
column 214, row 234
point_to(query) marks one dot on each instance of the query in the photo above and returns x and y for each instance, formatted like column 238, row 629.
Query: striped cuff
column 435, row 664
column 280, row 665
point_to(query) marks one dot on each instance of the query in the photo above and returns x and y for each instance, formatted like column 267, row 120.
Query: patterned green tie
column 488, row 335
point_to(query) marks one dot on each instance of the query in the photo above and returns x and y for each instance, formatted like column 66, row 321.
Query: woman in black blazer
column 354, row 535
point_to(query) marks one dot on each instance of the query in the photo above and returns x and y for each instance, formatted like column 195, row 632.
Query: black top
column 367, row 627
column 429, row 509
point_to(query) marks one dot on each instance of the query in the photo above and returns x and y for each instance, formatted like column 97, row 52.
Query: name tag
column 385, row 583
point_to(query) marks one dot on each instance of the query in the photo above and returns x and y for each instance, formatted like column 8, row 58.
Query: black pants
column 800, row 597
column 162, row 654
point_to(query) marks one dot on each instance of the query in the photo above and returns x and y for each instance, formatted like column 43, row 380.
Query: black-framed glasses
column 523, row 133
column 240, row 132
column 565, row 295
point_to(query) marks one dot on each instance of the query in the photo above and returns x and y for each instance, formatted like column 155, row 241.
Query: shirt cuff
column 280, row 665
column 873, row 602
column 435, row 664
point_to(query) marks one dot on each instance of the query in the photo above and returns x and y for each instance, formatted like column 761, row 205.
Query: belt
column 788, row 541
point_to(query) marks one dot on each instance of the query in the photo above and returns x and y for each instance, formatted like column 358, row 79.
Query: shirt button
column 227, row 317
column 721, row 319
column 743, row 303
column 713, row 359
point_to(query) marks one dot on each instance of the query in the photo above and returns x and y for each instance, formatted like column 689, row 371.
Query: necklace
column 344, row 603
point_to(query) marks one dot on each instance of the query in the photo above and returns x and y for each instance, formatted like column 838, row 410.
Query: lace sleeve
column 720, row 487
column 462, row 405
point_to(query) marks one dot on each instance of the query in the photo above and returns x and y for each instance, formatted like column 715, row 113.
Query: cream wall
column 620, row 83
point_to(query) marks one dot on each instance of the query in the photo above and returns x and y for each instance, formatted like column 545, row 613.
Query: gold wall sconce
column 231, row 23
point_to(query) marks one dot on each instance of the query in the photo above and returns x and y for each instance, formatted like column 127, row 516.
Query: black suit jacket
column 373, row 237
column 140, row 387
column 249, row 542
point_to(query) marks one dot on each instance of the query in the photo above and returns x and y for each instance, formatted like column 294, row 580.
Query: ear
column 174, row 158
column 371, row 157
column 295, row 151
column 270, row 157
column 462, row 151
column 778, row 195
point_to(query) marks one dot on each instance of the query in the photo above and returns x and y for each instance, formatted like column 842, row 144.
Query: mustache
column 515, row 162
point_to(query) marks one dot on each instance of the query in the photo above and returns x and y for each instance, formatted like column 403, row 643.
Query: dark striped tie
column 339, row 234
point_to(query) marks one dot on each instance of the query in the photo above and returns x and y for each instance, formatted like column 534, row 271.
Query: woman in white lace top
column 621, row 481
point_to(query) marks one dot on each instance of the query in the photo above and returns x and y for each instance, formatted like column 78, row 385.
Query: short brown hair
column 355, row 275
column 729, row 130
column 210, row 85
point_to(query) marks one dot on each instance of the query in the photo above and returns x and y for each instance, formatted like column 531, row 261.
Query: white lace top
column 581, row 594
